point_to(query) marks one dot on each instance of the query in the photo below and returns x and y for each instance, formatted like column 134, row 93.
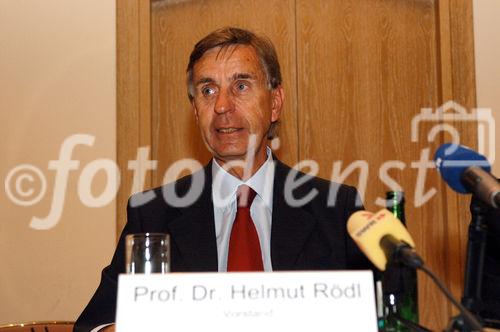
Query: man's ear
column 278, row 97
column 195, row 110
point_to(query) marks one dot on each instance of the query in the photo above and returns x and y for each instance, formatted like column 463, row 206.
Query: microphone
column 467, row 171
column 382, row 237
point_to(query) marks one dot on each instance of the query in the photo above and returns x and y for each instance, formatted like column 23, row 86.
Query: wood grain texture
column 461, row 81
column 176, row 27
column 365, row 69
column 133, row 93
column 145, row 76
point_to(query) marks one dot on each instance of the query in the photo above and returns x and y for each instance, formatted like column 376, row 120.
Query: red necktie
column 244, row 246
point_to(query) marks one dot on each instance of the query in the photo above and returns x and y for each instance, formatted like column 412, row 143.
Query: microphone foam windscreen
column 452, row 161
column 367, row 229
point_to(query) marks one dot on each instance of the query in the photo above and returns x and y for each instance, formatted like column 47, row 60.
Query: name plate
column 256, row 302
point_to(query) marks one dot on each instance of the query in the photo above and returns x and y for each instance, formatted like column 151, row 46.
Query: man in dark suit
column 297, row 221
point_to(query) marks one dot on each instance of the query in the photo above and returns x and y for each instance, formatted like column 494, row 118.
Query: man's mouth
column 228, row 130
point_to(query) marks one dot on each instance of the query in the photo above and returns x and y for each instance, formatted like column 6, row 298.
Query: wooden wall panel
column 133, row 94
column 458, row 84
column 365, row 69
column 176, row 27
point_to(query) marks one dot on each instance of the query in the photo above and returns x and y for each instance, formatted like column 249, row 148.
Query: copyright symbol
column 20, row 185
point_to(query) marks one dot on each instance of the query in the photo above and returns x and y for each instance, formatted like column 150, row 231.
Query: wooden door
column 175, row 28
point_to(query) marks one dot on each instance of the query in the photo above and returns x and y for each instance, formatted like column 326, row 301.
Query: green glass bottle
column 399, row 283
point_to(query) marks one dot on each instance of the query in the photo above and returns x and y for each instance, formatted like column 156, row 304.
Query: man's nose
column 223, row 103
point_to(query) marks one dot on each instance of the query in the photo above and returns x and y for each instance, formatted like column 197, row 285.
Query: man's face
column 232, row 101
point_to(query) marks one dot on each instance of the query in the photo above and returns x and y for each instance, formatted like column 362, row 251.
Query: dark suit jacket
column 310, row 237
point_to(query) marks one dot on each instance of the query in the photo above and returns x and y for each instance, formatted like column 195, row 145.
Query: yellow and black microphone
column 382, row 237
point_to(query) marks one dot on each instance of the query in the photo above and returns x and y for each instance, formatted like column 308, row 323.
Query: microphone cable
column 472, row 321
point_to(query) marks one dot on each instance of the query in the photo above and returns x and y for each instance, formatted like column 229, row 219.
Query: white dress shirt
column 224, row 188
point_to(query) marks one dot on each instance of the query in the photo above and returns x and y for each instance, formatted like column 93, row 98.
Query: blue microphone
column 466, row 171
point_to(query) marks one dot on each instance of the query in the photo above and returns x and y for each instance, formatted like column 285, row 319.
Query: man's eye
column 207, row 91
column 241, row 86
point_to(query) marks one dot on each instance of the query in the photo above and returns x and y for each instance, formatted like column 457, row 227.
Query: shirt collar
column 261, row 182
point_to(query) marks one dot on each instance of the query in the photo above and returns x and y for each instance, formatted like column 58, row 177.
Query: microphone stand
column 476, row 250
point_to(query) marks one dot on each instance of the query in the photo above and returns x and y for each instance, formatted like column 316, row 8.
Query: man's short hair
column 229, row 36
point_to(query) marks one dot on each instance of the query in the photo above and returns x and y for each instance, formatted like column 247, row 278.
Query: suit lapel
column 291, row 226
column 194, row 232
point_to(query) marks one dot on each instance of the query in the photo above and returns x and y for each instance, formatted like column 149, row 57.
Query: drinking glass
column 147, row 253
